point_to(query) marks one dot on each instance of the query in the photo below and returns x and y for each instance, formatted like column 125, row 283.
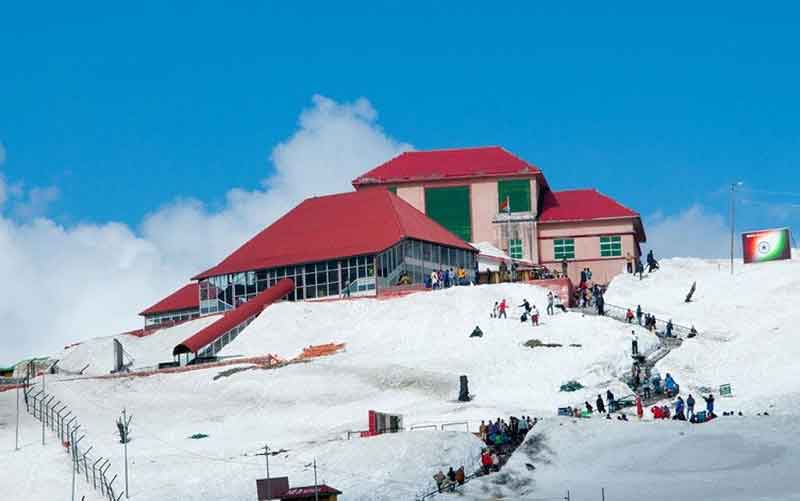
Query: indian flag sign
column 766, row 245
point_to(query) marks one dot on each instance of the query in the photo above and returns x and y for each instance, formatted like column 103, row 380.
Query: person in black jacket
column 601, row 409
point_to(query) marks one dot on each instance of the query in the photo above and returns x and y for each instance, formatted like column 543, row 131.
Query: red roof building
column 345, row 244
column 181, row 305
column 450, row 165
column 489, row 195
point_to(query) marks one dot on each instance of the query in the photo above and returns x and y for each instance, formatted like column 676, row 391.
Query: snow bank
column 746, row 323
column 731, row 458
column 148, row 351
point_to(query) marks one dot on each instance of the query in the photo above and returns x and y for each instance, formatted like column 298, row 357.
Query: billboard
column 766, row 245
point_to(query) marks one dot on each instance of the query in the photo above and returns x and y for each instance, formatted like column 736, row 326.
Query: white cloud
column 63, row 285
column 692, row 232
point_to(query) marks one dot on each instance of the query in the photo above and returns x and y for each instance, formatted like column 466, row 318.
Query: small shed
column 309, row 493
column 271, row 488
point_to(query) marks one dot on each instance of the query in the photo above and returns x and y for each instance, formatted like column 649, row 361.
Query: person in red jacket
column 486, row 461
column 639, row 408
column 501, row 309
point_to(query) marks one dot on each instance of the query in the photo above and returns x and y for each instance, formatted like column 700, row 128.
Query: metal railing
column 620, row 313
column 56, row 416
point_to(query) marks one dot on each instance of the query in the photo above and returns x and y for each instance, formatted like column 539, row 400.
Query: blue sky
column 125, row 109
column 139, row 144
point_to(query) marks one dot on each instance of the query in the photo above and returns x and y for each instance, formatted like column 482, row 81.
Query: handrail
column 619, row 313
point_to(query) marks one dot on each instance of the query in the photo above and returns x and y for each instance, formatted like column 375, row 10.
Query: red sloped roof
column 335, row 226
column 185, row 298
column 232, row 318
column 308, row 491
column 581, row 205
column 489, row 161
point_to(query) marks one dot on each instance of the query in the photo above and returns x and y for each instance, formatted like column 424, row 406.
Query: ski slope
column 746, row 323
column 405, row 356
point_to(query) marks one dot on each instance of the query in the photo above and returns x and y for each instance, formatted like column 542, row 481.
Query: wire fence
column 59, row 419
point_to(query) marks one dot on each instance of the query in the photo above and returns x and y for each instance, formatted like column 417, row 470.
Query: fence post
column 603, row 493
column 94, row 473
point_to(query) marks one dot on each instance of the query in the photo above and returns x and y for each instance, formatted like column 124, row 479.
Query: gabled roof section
column 335, row 226
column 185, row 298
column 462, row 163
column 581, row 205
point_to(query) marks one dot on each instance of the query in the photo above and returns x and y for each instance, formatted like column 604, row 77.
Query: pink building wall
column 587, row 247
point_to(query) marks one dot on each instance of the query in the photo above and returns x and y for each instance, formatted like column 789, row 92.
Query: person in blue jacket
column 690, row 406
column 679, row 410
column 669, row 384
column 709, row 404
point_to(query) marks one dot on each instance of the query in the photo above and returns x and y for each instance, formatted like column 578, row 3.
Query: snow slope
column 404, row 356
column 731, row 459
column 746, row 323
column 148, row 351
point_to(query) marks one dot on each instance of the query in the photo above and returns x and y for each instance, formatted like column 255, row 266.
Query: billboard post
column 766, row 245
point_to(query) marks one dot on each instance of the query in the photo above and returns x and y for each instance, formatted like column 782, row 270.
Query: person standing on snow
column 610, row 400
column 639, row 407
column 634, row 344
column 639, row 314
column 629, row 316
column 495, row 309
column 549, row 303
column 709, row 404
column 434, row 280
column 690, row 406
column 535, row 315
column 501, row 309
column 601, row 409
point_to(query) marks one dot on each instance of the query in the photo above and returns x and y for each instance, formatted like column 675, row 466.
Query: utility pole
column 266, row 458
column 16, row 442
column 316, row 485
column 124, row 432
column 733, row 217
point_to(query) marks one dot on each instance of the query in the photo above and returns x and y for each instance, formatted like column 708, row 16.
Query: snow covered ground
column 746, row 323
column 405, row 356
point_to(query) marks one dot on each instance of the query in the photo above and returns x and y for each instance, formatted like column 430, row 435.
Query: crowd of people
column 444, row 279
column 685, row 410
column 529, row 311
column 501, row 438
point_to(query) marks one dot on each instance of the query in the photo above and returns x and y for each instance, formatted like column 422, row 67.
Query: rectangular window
column 515, row 249
column 450, row 208
column 564, row 248
column 611, row 246
column 518, row 193
column 393, row 189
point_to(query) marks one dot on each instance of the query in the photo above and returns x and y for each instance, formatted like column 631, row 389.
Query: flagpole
column 508, row 227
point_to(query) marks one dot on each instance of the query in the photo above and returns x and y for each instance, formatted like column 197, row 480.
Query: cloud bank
column 65, row 284
column 695, row 232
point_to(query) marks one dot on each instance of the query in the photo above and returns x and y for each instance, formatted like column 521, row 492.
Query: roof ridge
column 397, row 220
column 461, row 148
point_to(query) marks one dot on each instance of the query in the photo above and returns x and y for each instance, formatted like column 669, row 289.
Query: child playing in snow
column 534, row 315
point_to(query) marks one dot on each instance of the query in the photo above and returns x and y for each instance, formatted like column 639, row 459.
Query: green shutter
column 515, row 249
column 564, row 248
column 450, row 208
column 611, row 246
column 518, row 192
column 393, row 189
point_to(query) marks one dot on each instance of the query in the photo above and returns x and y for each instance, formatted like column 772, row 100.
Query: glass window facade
column 611, row 246
column 515, row 248
column 564, row 248
column 170, row 317
column 518, row 192
column 412, row 259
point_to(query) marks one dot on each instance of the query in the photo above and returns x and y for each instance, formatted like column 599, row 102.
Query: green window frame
column 518, row 192
column 611, row 246
column 450, row 207
column 515, row 249
column 564, row 248
column 393, row 189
